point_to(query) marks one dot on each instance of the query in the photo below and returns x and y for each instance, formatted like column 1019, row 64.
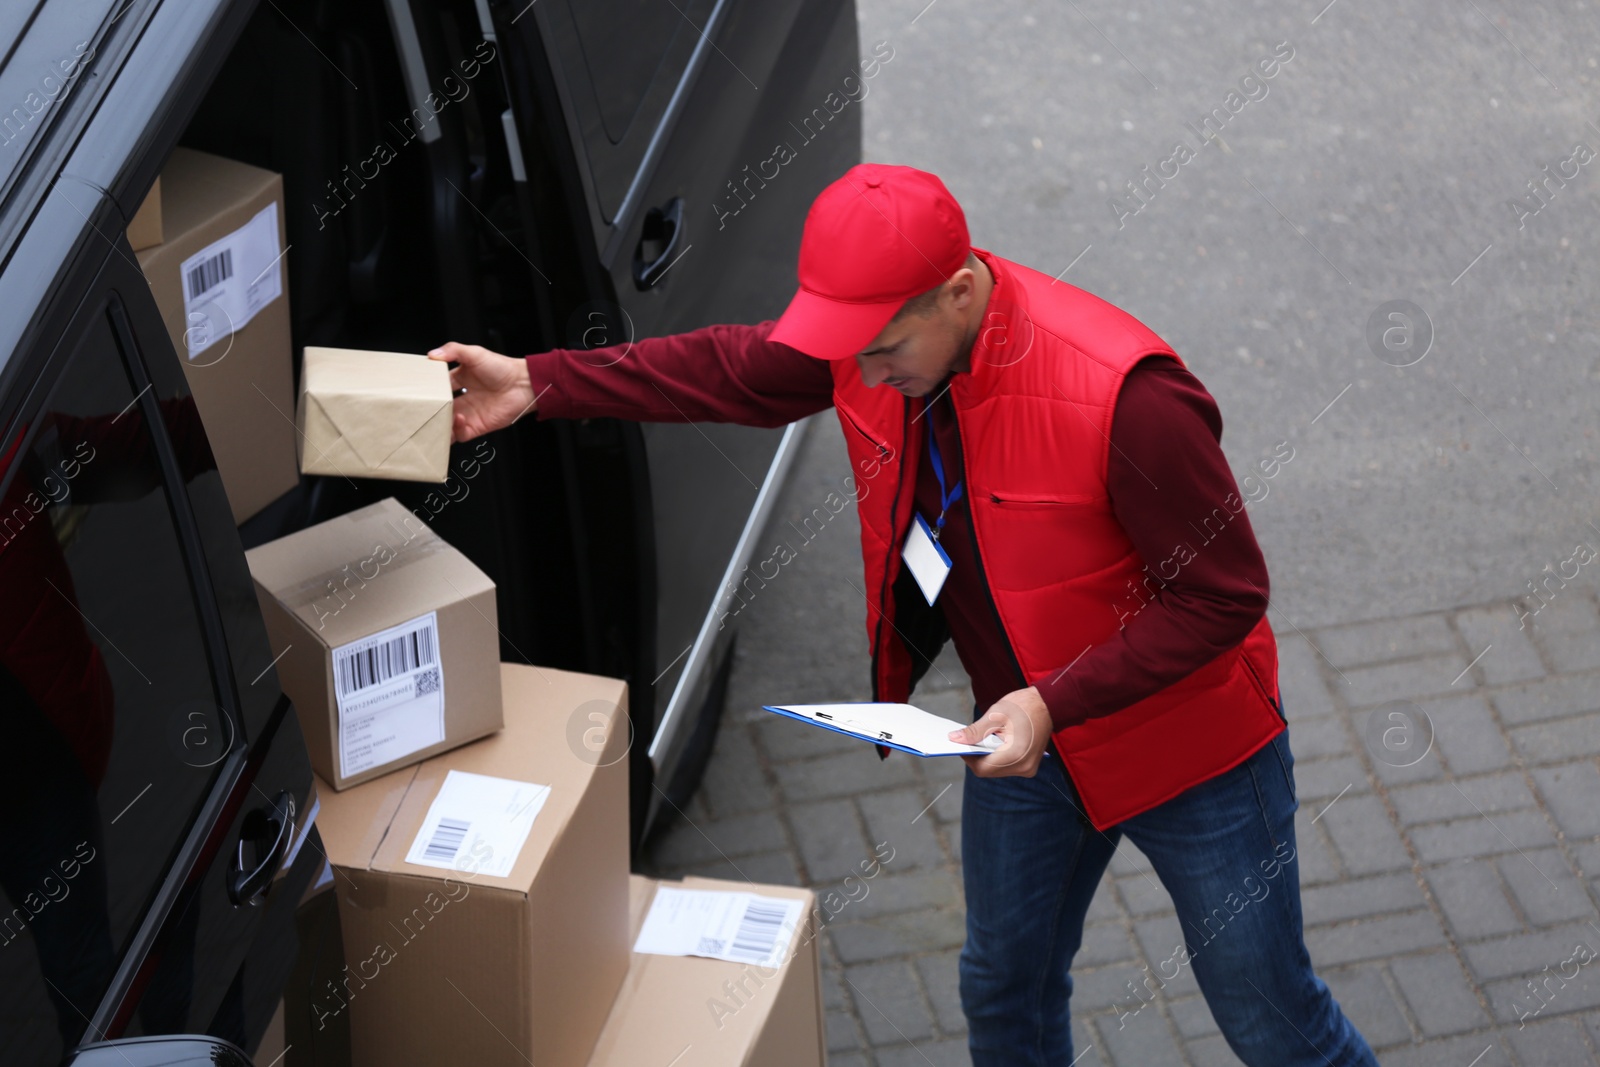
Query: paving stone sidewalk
column 1445, row 900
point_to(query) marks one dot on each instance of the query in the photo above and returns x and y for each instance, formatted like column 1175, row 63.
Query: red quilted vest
column 1034, row 418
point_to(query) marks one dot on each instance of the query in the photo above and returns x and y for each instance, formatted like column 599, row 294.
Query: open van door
column 682, row 144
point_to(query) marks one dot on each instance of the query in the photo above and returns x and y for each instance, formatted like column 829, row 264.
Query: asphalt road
column 1376, row 164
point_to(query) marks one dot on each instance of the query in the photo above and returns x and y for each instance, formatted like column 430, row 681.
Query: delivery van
column 567, row 173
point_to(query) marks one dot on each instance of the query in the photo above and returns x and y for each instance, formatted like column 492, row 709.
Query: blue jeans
column 1224, row 850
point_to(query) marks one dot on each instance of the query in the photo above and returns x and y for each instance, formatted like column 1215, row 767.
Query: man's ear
column 963, row 287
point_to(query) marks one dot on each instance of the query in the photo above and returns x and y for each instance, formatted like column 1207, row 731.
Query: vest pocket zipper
column 1039, row 502
column 1260, row 684
column 849, row 416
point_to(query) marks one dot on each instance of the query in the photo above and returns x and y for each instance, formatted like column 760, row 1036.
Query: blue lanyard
column 946, row 498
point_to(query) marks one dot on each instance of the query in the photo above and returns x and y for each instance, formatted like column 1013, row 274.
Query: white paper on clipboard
column 901, row 725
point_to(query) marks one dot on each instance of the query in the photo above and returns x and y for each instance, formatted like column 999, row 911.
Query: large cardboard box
column 465, row 966
column 220, row 279
column 386, row 640
column 729, row 1014
column 374, row 415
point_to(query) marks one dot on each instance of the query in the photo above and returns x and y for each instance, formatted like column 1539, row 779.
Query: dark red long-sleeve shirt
column 1166, row 471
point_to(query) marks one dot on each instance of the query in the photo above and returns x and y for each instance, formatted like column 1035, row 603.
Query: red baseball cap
column 874, row 239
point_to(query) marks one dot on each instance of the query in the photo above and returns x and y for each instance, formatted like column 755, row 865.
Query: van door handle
column 659, row 241
column 246, row 883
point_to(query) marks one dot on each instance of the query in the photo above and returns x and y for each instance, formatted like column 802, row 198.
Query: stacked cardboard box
column 386, row 639
column 214, row 261
column 729, row 1014
column 483, row 894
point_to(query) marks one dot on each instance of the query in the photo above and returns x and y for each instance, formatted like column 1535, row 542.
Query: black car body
column 589, row 182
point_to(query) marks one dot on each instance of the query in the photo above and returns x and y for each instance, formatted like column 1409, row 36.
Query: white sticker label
column 229, row 280
column 389, row 687
column 741, row 927
column 477, row 823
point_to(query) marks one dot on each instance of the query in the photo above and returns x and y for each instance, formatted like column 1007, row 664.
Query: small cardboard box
column 467, row 966
column 220, row 279
column 374, row 415
column 144, row 229
column 386, row 638
column 731, row 1014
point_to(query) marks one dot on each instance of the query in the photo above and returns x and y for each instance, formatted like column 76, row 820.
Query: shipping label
column 389, row 687
column 477, row 823
column 229, row 280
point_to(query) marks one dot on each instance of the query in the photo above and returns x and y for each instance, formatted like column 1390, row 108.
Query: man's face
column 914, row 353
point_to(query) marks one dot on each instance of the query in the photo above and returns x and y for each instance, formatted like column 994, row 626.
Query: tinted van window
column 112, row 732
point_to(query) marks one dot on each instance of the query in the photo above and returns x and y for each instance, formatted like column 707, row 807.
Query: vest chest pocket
column 1035, row 539
column 850, row 419
column 1064, row 503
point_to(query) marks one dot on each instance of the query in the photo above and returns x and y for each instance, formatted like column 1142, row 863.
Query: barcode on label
column 758, row 932
column 210, row 272
column 359, row 668
column 447, row 839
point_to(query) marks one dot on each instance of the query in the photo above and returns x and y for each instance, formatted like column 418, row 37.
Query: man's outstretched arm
column 723, row 373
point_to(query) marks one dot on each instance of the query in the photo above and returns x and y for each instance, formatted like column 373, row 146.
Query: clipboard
column 898, row 726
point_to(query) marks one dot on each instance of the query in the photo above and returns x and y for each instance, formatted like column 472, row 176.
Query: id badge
column 926, row 558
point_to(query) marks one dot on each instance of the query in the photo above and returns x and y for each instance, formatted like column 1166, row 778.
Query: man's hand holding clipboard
column 1022, row 722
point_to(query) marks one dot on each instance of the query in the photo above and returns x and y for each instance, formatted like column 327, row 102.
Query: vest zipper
column 1076, row 800
column 1039, row 502
column 894, row 510
column 977, row 559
